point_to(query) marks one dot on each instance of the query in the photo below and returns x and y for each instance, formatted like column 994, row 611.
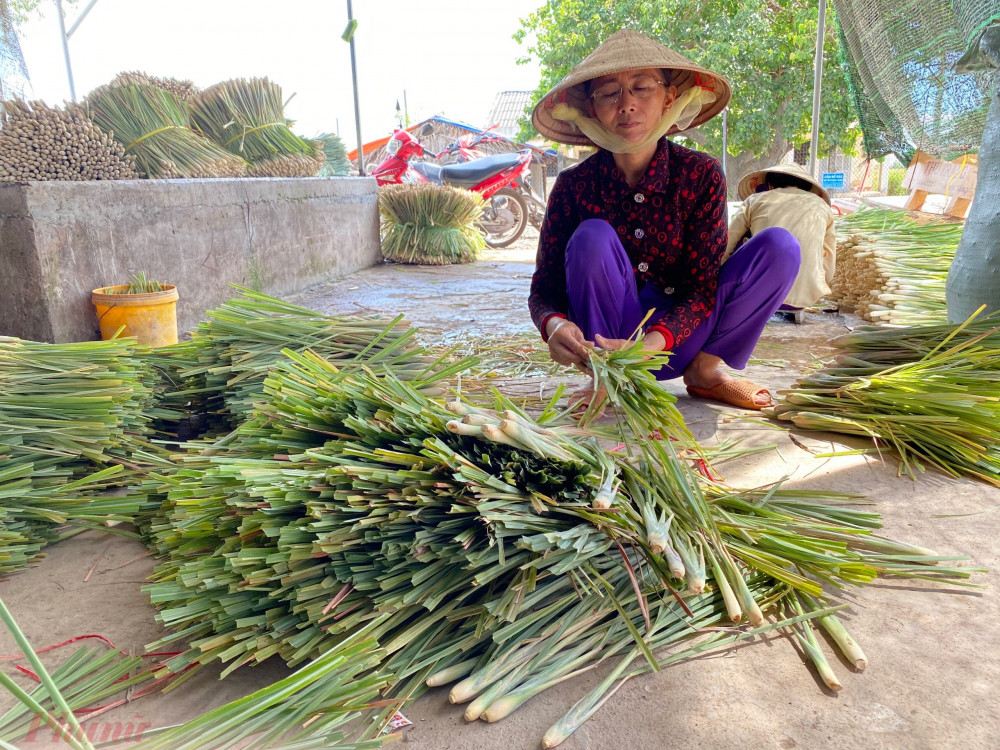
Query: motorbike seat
column 471, row 173
column 467, row 174
column 431, row 171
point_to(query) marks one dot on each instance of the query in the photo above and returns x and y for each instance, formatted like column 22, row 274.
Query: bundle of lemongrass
column 430, row 224
column 138, row 283
column 71, row 426
column 154, row 126
column 247, row 118
column 220, row 372
column 892, row 269
column 38, row 142
column 336, row 163
column 927, row 393
column 485, row 546
column 183, row 90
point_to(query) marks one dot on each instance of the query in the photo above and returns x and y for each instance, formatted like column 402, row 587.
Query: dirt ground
column 933, row 655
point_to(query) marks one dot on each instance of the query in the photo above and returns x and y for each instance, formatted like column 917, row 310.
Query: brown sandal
column 739, row 392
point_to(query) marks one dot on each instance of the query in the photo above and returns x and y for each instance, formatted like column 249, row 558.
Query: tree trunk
column 738, row 166
column 974, row 277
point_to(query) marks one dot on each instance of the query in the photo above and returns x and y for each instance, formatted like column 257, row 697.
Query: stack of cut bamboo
column 892, row 270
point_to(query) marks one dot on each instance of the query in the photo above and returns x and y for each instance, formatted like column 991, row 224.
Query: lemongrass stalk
column 587, row 706
column 566, row 667
column 482, row 702
column 487, row 674
column 604, row 498
column 754, row 615
column 510, row 414
column 534, row 441
column 461, row 428
column 479, row 419
column 807, row 639
column 462, row 409
column 694, row 567
column 496, row 435
column 847, row 645
column 725, row 588
column 450, row 674
column 657, row 528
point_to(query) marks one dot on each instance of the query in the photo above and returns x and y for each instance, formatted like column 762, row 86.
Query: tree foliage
column 764, row 47
column 21, row 10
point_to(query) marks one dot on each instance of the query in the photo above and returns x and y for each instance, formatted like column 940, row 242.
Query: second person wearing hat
column 642, row 225
column 788, row 196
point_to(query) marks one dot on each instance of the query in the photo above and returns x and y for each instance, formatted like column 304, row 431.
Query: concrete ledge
column 61, row 240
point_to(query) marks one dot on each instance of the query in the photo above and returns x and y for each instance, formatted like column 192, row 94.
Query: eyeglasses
column 641, row 89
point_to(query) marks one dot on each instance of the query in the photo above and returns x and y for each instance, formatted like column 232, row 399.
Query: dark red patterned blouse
column 673, row 225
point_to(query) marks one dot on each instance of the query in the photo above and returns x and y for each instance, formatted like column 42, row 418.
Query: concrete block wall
column 61, row 240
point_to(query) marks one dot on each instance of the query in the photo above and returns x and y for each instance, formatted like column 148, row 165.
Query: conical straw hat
column 625, row 50
column 748, row 185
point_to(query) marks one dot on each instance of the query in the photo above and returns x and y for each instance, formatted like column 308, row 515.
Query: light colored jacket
column 809, row 219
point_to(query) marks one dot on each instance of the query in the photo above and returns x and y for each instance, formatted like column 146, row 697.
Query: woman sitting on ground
column 787, row 196
column 641, row 225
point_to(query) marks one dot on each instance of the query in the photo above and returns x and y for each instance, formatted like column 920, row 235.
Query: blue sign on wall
column 834, row 180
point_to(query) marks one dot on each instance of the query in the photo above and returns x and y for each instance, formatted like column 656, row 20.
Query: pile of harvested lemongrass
column 71, row 426
column 336, row 163
column 154, row 126
column 219, row 373
column 486, row 547
column 927, row 393
column 430, row 224
column 247, row 118
column 891, row 269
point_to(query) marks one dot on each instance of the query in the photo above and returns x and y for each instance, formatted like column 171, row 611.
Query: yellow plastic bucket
column 151, row 318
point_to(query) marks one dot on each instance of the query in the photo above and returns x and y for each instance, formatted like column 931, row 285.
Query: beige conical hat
column 748, row 185
column 625, row 50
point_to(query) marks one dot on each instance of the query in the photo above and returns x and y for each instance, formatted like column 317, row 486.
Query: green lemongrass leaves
column 430, row 224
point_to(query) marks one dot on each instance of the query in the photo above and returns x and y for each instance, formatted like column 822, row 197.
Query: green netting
column 13, row 73
column 900, row 57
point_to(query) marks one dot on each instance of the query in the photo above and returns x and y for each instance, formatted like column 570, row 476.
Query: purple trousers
column 604, row 299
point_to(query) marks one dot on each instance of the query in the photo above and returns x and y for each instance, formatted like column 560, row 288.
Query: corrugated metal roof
column 508, row 110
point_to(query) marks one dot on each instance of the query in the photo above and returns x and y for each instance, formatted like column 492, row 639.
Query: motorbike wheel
column 504, row 221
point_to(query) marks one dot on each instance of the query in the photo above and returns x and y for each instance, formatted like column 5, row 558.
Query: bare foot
column 704, row 372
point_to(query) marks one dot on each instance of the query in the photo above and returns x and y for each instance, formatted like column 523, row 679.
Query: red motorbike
column 466, row 147
column 501, row 179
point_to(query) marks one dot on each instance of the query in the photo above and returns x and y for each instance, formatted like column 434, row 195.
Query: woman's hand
column 651, row 342
column 567, row 346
